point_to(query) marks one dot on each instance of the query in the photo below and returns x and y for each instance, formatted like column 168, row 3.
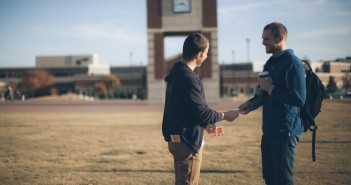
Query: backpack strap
column 307, row 64
column 314, row 132
column 313, row 128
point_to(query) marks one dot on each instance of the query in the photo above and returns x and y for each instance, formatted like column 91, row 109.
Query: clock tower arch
column 180, row 18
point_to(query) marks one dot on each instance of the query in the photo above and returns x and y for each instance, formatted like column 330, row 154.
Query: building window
column 251, row 90
column 242, row 90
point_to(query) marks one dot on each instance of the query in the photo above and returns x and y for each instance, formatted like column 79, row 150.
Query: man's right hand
column 230, row 115
column 244, row 108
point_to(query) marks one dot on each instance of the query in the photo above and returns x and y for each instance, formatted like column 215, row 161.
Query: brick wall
column 154, row 13
column 159, row 61
column 209, row 9
column 206, row 68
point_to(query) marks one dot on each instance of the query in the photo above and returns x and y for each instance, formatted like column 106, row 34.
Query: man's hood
column 177, row 67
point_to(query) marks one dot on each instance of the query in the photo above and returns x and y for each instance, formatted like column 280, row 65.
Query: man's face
column 203, row 56
column 271, row 43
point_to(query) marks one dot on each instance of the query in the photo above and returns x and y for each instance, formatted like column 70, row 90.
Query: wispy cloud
column 327, row 32
column 98, row 31
column 247, row 6
column 317, row 49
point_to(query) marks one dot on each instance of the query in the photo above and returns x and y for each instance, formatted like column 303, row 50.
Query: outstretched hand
column 244, row 108
column 230, row 115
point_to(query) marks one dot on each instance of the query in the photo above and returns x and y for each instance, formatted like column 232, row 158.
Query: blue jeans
column 278, row 154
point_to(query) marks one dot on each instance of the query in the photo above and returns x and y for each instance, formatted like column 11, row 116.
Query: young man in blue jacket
column 186, row 113
column 282, row 95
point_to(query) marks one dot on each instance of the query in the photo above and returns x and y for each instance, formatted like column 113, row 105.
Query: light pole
column 131, row 58
column 248, row 50
column 232, row 78
column 233, row 56
column 248, row 64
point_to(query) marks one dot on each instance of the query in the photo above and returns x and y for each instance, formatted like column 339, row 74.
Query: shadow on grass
column 328, row 142
column 208, row 171
column 167, row 171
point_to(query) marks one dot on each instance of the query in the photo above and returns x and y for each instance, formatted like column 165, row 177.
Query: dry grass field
column 125, row 146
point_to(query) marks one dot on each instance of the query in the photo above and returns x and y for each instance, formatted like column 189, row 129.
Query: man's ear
column 279, row 39
column 198, row 55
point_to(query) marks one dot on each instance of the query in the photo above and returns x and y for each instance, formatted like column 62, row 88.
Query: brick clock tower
column 180, row 18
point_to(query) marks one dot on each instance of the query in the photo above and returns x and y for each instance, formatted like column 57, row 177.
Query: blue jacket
column 186, row 112
column 281, row 109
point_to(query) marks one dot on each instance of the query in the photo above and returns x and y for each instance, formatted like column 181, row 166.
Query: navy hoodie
column 186, row 112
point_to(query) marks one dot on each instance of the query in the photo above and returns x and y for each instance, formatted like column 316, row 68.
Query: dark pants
column 278, row 154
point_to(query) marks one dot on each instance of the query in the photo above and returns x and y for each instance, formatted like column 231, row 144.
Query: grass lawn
column 128, row 148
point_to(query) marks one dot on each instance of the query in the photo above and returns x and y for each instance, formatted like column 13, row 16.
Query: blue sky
column 116, row 30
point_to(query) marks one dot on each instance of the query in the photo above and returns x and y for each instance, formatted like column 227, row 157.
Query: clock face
column 181, row 6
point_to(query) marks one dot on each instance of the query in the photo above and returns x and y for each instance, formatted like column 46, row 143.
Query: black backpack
column 314, row 97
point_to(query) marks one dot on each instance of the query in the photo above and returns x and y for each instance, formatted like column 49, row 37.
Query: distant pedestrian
column 9, row 93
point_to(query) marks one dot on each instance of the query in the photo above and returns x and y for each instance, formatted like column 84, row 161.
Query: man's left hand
column 210, row 127
column 265, row 83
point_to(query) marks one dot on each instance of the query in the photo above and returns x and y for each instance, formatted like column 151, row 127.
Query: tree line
column 39, row 82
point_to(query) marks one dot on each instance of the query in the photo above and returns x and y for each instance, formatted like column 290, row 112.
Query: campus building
column 336, row 69
column 79, row 73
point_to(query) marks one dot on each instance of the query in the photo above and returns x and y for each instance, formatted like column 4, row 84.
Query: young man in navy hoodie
column 282, row 95
column 186, row 113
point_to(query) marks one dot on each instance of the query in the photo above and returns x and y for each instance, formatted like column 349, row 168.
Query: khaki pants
column 187, row 163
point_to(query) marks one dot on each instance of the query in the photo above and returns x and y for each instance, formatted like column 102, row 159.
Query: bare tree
column 101, row 89
column 112, row 82
column 37, row 82
column 346, row 79
column 331, row 84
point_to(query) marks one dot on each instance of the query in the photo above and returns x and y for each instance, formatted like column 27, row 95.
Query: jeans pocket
column 293, row 140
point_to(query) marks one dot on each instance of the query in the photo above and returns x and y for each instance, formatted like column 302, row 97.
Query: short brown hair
column 193, row 44
column 277, row 29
